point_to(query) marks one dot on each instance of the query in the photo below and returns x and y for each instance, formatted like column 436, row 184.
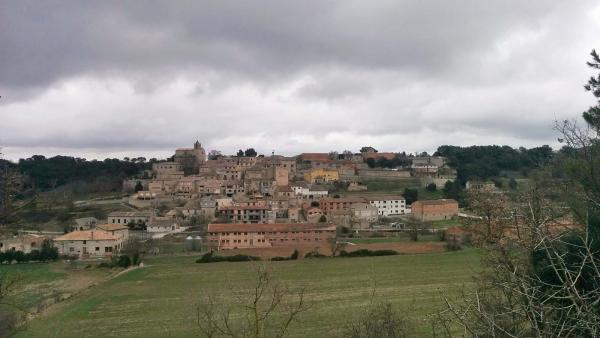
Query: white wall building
column 389, row 205
column 309, row 192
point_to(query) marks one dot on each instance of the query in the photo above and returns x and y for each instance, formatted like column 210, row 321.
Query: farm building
column 89, row 243
column 434, row 210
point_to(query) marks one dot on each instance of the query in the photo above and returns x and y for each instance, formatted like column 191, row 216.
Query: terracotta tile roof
column 384, row 197
column 387, row 156
column 112, row 227
column 244, row 207
column 315, row 157
column 343, row 200
column 277, row 227
column 130, row 214
column 87, row 235
column 436, row 202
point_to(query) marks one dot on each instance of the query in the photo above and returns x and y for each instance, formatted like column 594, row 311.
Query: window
column 71, row 249
column 97, row 248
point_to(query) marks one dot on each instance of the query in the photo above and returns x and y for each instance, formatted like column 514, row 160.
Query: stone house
column 89, row 244
column 22, row 242
column 363, row 215
column 126, row 217
column 84, row 223
column 117, row 230
column 163, row 225
column 332, row 204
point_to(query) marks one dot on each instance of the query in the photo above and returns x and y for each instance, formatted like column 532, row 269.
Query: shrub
column 367, row 253
column 441, row 235
column 21, row 257
column 210, row 257
column 279, row 258
column 453, row 243
column 294, row 255
column 314, row 254
column 124, row 261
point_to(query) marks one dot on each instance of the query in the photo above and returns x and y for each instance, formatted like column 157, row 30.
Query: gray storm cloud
column 108, row 78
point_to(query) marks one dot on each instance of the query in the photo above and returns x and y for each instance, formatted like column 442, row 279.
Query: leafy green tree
column 512, row 183
column 138, row 186
column 592, row 115
column 453, row 190
column 411, row 195
column 431, row 187
column 250, row 152
column 240, row 153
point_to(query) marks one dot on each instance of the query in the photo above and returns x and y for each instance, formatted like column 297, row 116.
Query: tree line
column 48, row 173
column 485, row 162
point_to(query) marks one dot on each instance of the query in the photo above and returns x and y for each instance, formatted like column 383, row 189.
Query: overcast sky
column 100, row 79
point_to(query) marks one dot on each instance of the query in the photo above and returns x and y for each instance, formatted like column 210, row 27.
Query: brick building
column 434, row 210
column 332, row 204
column 238, row 236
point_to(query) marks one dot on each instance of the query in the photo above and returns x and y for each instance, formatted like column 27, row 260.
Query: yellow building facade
column 322, row 175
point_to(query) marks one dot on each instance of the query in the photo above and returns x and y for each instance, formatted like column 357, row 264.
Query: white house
column 390, row 205
column 163, row 225
column 308, row 192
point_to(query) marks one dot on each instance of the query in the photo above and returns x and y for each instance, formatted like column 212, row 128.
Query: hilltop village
column 250, row 201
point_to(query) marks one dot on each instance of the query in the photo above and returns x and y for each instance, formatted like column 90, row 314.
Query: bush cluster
column 47, row 253
column 292, row 257
column 314, row 254
column 367, row 253
column 210, row 257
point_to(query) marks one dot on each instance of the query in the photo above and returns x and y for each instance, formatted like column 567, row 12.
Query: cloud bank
column 102, row 79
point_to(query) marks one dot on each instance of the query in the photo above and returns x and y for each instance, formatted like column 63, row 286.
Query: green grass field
column 397, row 187
column 159, row 299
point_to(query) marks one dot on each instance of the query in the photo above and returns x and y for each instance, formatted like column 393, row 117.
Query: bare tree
column 380, row 321
column 541, row 275
column 336, row 246
column 267, row 310
column 10, row 184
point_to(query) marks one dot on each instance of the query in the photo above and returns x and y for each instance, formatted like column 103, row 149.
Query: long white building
column 389, row 205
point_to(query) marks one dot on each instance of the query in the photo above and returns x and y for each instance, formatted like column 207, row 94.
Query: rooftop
column 130, row 214
column 111, row 227
column 86, row 235
column 314, row 156
column 278, row 227
column 384, row 197
column 437, row 202
column 344, row 200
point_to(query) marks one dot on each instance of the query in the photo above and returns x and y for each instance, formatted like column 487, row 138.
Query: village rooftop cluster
column 256, row 201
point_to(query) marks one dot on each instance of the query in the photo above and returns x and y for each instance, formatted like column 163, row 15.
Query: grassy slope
column 39, row 282
column 159, row 300
column 397, row 187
